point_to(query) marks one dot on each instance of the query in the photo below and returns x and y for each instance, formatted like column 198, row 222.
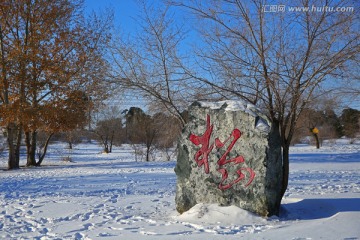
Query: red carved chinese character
column 202, row 155
column 236, row 134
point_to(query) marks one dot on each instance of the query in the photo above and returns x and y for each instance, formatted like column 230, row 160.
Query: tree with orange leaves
column 52, row 64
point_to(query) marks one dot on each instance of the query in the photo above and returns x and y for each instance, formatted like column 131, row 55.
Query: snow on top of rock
column 232, row 105
column 240, row 105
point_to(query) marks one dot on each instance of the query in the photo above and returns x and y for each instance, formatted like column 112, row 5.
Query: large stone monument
column 230, row 154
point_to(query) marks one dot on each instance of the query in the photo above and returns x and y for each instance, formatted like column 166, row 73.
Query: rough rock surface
column 230, row 154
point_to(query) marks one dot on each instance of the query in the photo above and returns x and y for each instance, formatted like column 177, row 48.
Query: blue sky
column 124, row 10
column 125, row 14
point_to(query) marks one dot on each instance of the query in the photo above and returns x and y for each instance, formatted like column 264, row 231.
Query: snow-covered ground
column 111, row 196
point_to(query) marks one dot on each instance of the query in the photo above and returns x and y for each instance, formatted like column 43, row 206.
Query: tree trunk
column 105, row 143
column 41, row 158
column 18, row 143
column 148, row 153
column 14, row 159
column 106, row 148
column 111, row 140
column 285, row 168
column 30, row 140
column 317, row 141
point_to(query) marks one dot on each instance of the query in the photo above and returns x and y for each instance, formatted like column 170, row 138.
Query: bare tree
column 141, row 129
column 109, row 131
column 108, row 128
column 168, row 132
column 319, row 114
column 276, row 60
column 150, row 63
column 73, row 137
column 349, row 90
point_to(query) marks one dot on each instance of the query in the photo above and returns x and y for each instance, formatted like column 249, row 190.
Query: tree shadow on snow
column 309, row 209
column 324, row 157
